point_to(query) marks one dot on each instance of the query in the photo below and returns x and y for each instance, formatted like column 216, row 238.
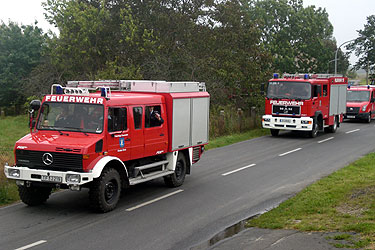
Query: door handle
column 161, row 134
column 128, row 139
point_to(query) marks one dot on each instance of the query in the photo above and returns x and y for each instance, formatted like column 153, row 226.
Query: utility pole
column 338, row 51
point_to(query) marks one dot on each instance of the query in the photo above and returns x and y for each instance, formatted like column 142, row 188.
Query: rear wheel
column 275, row 132
column 333, row 127
column 34, row 196
column 105, row 191
column 178, row 177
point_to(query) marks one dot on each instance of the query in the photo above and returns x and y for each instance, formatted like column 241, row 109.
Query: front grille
column 286, row 110
column 61, row 161
column 351, row 110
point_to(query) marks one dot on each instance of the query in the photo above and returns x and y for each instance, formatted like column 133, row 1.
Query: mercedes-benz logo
column 47, row 159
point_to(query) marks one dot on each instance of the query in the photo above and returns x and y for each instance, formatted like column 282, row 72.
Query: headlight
column 14, row 173
column 364, row 108
column 306, row 122
column 73, row 178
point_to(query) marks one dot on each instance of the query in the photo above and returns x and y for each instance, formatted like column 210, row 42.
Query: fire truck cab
column 360, row 103
column 107, row 135
column 305, row 102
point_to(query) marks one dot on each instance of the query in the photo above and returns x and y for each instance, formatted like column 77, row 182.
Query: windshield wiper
column 61, row 133
column 78, row 129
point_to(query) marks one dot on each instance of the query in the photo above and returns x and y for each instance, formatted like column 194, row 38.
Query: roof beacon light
column 59, row 90
column 306, row 76
column 275, row 75
column 368, row 86
column 104, row 92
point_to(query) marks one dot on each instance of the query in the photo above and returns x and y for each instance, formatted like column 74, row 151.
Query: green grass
column 342, row 202
column 230, row 139
column 11, row 129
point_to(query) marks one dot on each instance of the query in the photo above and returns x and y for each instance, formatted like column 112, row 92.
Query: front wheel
column 275, row 132
column 105, row 191
column 178, row 177
column 314, row 132
column 368, row 118
column 34, row 196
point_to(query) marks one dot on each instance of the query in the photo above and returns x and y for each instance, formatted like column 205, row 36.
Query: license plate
column 350, row 116
column 285, row 120
column 57, row 179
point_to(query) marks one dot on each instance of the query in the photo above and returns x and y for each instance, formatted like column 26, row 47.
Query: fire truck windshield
column 289, row 90
column 87, row 118
column 358, row 96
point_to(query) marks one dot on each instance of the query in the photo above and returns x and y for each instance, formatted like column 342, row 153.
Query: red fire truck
column 360, row 103
column 107, row 135
column 305, row 102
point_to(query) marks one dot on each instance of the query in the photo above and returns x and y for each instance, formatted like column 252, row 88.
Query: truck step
column 139, row 169
column 150, row 176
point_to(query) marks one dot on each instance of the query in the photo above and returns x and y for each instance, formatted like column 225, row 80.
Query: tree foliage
column 20, row 52
column 364, row 45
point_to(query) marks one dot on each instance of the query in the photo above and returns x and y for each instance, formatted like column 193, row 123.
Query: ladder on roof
column 311, row 76
column 141, row 86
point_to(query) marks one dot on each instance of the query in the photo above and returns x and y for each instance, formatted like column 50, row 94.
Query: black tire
column 178, row 177
column 34, row 196
column 105, row 191
column 368, row 118
column 314, row 132
column 275, row 132
column 333, row 128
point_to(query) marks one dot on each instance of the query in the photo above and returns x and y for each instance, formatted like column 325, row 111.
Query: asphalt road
column 229, row 184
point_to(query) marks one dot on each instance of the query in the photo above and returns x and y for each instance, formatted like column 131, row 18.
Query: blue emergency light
column 103, row 92
column 59, row 90
column 275, row 75
column 306, row 76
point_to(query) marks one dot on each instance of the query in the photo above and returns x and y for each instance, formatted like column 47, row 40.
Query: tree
column 296, row 36
column 20, row 52
column 364, row 46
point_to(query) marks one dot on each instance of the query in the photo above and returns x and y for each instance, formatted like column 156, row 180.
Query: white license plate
column 350, row 116
column 57, row 179
column 285, row 120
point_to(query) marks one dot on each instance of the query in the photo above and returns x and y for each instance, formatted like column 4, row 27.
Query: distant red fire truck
column 107, row 135
column 305, row 102
column 360, row 103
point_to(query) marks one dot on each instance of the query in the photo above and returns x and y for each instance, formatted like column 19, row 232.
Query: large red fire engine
column 107, row 135
column 305, row 102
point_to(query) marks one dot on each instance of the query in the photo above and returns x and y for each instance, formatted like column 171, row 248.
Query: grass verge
column 341, row 202
column 11, row 129
column 230, row 139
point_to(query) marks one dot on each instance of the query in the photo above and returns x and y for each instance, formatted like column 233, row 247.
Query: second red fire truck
column 305, row 102
column 360, row 103
column 108, row 135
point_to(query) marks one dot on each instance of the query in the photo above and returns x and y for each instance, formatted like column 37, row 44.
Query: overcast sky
column 346, row 16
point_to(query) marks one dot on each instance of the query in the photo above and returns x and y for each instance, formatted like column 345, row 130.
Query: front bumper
column 287, row 123
column 362, row 116
column 47, row 176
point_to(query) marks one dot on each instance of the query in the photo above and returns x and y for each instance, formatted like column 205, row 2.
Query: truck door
column 137, row 143
column 155, row 132
column 325, row 101
column 118, row 139
column 372, row 105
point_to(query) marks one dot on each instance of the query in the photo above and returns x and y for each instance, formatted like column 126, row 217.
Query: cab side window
column 317, row 90
column 153, row 116
column 137, row 113
column 325, row 89
column 117, row 119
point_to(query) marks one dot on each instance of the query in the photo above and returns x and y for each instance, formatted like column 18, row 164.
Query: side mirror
column 35, row 105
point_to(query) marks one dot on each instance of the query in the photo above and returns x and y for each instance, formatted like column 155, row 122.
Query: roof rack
column 310, row 76
column 84, row 87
